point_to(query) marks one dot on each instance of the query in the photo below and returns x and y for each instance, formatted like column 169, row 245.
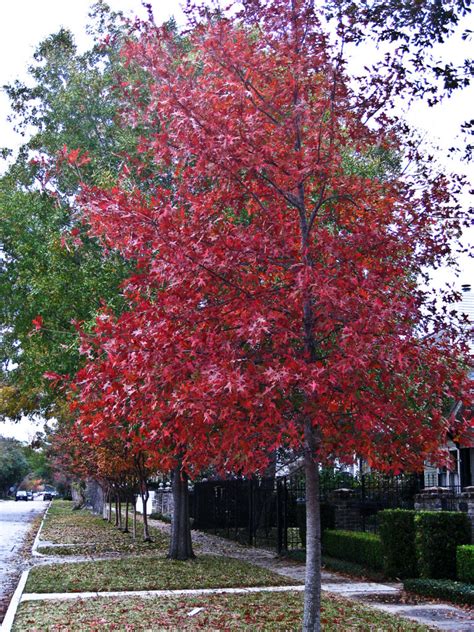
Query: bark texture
column 146, row 530
column 312, row 594
column 181, row 547
column 134, row 524
column 105, row 504
column 125, row 529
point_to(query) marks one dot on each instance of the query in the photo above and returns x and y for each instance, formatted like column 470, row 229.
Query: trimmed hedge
column 446, row 589
column 327, row 519
column 352, row 569
column 354, row 546
column 397, row 534
column 438, row 533
column 465, row 563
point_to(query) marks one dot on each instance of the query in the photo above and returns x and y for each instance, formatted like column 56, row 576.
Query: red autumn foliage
column 276, row 300
column 277, row 281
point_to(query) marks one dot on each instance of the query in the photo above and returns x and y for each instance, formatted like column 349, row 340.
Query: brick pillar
column 466, row 504
column 347, row 515
column 435, row 499
column 163, row 502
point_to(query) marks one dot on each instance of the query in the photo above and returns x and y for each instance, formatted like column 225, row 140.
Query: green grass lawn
column 250, row 612
column 150, row 573
column 85, row 533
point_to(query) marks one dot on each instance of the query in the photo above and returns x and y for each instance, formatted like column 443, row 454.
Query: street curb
column 36, row 541
column 14, row 603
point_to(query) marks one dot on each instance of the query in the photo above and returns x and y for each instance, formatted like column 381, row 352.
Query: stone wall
column 444, row 499
column 466, row 503
column 347, row 510
column 436, row 499
column 348, row 507
column 163, row 502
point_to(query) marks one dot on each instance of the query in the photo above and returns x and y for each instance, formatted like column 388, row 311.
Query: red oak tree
column 276, row 298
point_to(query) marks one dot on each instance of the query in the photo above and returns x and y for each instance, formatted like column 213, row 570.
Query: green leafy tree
column 52, row 273
column 38, row 459
column 13, row 464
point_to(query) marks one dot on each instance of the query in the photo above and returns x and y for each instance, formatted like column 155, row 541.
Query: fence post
column 285, row 515
column 250, row 522
column 362, row 498
column 278, row 518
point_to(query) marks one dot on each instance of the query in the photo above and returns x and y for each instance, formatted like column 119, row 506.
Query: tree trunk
column 104, row 505
column 312, row 592
column 134, row 525
column 181, row 547
column 116, row 503
column 125, row 529
column 119, row 507
column 109, row 517
column 146, row 531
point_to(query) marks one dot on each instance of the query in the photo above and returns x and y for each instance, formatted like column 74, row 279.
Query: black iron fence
column 271, row 512
column 244, row 510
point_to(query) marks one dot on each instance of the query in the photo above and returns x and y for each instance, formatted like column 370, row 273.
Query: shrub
column 457, row 592
column 160, row 516
column 327, row 519
column 354, row 546
column 351, row 568
column 438, row 533
column 465, row 563
column 397, row 534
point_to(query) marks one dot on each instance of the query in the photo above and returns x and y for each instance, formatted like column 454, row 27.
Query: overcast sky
column 24, row 23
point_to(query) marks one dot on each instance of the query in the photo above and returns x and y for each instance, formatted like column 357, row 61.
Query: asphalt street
column 15, row 518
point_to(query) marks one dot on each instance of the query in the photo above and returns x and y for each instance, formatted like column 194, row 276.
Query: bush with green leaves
column 438, row 533
column 465, row 563
column 449, row 590
column 397, row 533
column 354, row 546
column 351, row 568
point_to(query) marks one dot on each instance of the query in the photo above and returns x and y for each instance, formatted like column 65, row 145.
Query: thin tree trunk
column 116, row 503
column 104, row 505
column 144, row 495
column 109, row 517
column 120, row 513
column 312, row 593
column 125, row 529
column 134, row 525
column 181, row 547
column 146, row 531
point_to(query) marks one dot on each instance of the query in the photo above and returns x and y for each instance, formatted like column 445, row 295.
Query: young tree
column 282, row 270
column 125, row 392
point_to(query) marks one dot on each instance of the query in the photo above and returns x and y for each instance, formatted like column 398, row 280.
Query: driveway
column 15, row 518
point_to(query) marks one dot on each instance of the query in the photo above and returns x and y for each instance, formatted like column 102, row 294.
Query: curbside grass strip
column 14, row 603
column 159, row 593
column 34, row 548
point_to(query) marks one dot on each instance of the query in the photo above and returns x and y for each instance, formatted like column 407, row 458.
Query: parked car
column 21, row 495
column 47, row 496
column 30, row 495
